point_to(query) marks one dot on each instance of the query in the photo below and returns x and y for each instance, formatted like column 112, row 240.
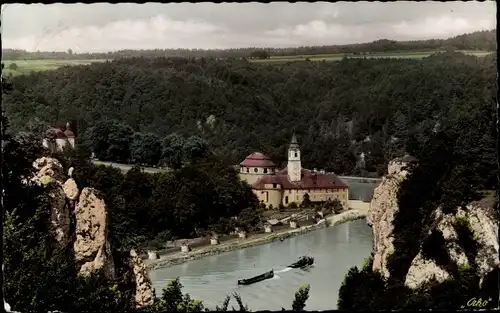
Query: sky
column 106, row 27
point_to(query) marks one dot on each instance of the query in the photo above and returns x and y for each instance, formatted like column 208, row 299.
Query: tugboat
column 256, row 279
column 302, row 262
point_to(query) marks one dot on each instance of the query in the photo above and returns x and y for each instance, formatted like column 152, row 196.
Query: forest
column 350, row 117
column 42, row 276
column 479, row 40
column 146, row 210
column 198, row 116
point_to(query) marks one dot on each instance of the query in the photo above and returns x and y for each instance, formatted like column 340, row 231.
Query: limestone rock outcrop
column 482, row 220
column 91, row 246
column 89, row 236
column 60, row 216
column 480, row 217
column 383, row 209
column 144, row 291
column 71, row 189
column 48, row 169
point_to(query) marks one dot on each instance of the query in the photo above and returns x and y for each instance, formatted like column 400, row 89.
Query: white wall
column 358, row 204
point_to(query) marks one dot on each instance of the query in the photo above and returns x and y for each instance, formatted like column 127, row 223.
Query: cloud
column 440, row 27
column 107, row 27
column 151, row 33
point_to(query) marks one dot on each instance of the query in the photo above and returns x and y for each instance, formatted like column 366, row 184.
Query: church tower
column 294, row 166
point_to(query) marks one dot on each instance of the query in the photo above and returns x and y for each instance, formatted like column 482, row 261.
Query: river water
column 335, row 249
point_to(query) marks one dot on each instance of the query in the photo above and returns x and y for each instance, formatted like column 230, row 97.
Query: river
column 335, row 249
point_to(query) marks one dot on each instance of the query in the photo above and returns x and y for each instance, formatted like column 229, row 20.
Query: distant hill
column 480, row 40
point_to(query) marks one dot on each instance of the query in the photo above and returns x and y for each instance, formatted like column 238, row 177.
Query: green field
column 27, row 66
column 338, row 57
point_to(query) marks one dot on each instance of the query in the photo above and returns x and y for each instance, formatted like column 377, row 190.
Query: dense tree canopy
column 186, row 202
column 339, row 110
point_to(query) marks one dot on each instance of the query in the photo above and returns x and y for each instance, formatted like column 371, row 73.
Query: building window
column 265, row 171
column 274, row 185
column 286, row 199
column 248, row 170
column 256, row 170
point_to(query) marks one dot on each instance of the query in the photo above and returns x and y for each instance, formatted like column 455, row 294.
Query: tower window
column 248, row 170
column 265, row 171
column 296, row 154
column 274, row 185
column 256, row 170
column 286, row 200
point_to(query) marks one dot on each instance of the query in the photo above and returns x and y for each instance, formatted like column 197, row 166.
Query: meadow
column 27, row 66
column 340, row 56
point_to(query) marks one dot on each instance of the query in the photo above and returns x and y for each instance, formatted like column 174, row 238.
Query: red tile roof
column 310, row 180
column 56, row 132
column 257, row 159
column 69, row 133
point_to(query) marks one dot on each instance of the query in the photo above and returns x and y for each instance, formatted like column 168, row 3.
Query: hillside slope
column 338, row 109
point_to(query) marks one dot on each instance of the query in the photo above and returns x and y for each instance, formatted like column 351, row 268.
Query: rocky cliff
column 479, row 218
column 383, row 209
column 145, row 294
column 80, row 220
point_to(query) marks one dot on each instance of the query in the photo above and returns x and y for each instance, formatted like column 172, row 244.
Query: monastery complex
column 56, row 139
column 274, row 186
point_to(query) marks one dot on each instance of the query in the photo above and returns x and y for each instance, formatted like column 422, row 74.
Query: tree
column 145, row 148
column 173, row 150
column 13, row 66
column 110, row 140
column 301, row 296
column 194, row 149
column 172, row 300
column 249, row 219
column 260, row 54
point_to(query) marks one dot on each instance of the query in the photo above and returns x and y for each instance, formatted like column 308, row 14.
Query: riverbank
column 254, row 240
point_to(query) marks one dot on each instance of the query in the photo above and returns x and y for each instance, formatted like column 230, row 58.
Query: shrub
column 306, row 202
column 281, row 207
column 337, row 206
